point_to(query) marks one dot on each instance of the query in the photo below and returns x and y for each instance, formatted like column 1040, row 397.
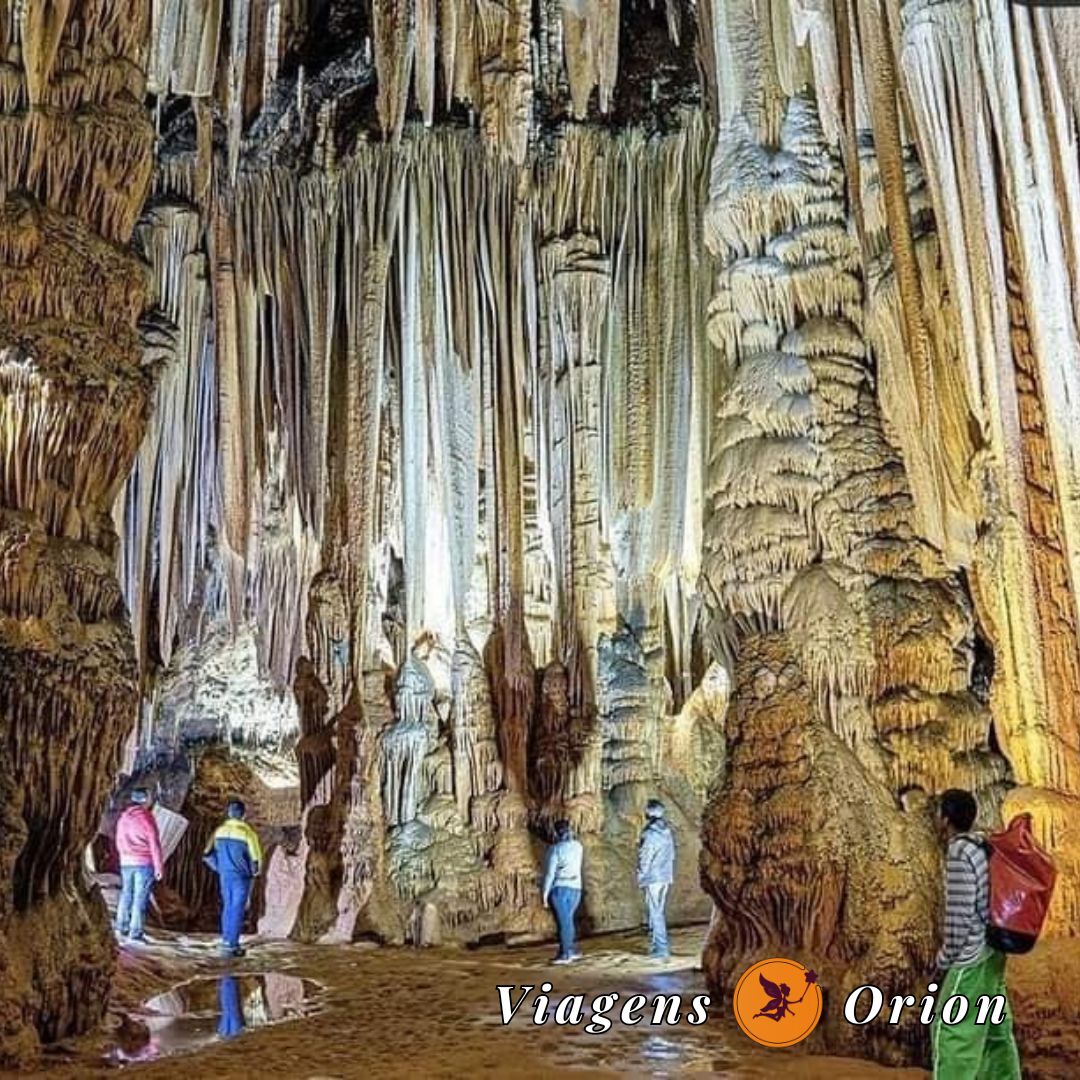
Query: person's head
column 958, row 811
column 654, row 810
column 562, row 830
column 140, row 797
column 235, row 809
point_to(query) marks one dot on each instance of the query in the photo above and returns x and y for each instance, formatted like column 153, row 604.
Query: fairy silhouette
column 779, row 1003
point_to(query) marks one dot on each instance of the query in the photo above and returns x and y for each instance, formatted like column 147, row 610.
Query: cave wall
column 75, row 384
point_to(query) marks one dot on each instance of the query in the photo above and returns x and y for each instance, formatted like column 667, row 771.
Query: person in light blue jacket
column 562, row 886
column 655, row 873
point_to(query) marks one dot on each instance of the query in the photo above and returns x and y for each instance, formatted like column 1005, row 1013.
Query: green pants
column 970, row 1051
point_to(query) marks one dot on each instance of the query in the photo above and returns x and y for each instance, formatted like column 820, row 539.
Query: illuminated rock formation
column 454, row 418
column 835, row 560
column 1009, row 255
column 841, row 623
column 74, row 395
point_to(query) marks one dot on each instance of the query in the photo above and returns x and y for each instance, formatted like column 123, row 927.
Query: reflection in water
column 232, row 1016
column 190, row 1015
column 657, row 1048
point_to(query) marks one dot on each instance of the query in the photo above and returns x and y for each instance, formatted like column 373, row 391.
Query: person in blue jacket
column 655, row 873
column 235, row 855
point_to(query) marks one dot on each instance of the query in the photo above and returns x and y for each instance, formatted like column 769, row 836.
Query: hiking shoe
column 238, row 951
column 137, row 939
column 563, row 960
column 576, row 955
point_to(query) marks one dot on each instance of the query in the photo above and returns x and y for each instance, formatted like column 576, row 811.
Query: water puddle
column 198, row 1012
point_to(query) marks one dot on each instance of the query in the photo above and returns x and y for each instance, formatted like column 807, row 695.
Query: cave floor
column 435, row 1012
column 398, row 1012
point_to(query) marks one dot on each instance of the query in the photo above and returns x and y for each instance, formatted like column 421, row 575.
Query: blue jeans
column 136, row 883
column 655, row 903
column 234, row 897
column 564, row 902
column 231, row 1021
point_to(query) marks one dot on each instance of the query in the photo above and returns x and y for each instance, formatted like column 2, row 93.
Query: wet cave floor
column 362, row 1011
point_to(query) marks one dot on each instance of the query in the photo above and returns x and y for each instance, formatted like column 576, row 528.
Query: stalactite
column 591, row 50
column 392, row 31
column 233, row 432
column 577, row 279
column 172, row 481
column 405, row 518
column 381, row 270
column 1004, row 204
column 370, row 199
column 435, row 410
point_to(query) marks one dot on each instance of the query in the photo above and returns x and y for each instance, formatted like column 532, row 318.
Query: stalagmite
column 405, row 746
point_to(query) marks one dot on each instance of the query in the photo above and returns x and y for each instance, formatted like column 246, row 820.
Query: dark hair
column 654, row 808
column 958, row 809
column 562, row 829
column 235, row 808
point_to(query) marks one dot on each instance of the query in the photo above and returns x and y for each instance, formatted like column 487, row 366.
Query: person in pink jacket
column 138, row 844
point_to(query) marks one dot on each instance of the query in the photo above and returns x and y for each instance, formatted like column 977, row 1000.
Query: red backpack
column 1022, row 879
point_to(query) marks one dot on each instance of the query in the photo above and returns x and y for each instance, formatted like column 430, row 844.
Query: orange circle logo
column 777, row 1002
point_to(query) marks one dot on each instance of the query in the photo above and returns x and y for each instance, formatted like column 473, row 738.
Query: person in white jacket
column 562, row 887
column 655, row 872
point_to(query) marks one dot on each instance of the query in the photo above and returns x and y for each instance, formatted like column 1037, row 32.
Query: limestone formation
column 862, row 525
column 75, row 385
column 807, row 856
column 418, row 509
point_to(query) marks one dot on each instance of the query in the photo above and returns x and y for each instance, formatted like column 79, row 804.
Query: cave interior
column 428, row 420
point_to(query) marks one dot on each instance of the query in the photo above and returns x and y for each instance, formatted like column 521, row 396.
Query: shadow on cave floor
column 396, row 1012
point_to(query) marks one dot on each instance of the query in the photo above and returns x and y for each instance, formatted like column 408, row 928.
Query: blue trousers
column 136, row 883
column 655, row 904
column 231, row 1021
column 234, row 897
column 564, row 902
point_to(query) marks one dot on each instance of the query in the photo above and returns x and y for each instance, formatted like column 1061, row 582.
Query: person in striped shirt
column 968, row 966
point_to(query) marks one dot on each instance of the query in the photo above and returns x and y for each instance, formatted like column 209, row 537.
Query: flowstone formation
column 74, row 394
column 851, row 643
